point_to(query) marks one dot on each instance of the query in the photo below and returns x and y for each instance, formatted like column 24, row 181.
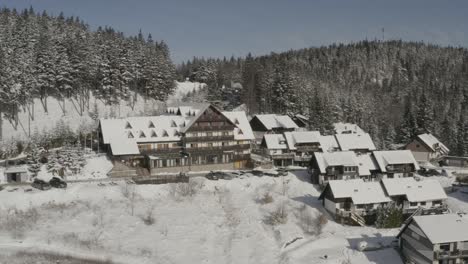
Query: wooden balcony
column 241, row 157
column 173, row 150
column 211, row 128
column 282, row 156
column 218, row 148
column 208, row 138
column 441, row 254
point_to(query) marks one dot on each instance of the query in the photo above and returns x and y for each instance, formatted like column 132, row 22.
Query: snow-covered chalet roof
column 415, row 191
column 366, row 164
column 394, row 157
column 275, row 141
column 302, row 137
column 359, row 191
column 452, row 230
column 272, row 121
column 355, row 141
column 328, row 143
column 347, row 128
column 243, row 130
column 433, row 143
column 341, row 158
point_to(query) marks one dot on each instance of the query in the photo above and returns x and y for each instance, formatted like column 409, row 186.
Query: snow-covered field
column 47, row 121
column 205, row 222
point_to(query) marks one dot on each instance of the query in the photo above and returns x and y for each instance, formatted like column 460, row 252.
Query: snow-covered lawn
column 202, row 222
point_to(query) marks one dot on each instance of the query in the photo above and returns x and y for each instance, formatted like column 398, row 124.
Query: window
column 423, row 203
column 413, row 204
column 151, row 125
column 176, row 133
column 153, row 134
column 165, row 133
column 445, row 247
column 128, row 126
column 142, row 135
column 173, row 124
column 130, row 135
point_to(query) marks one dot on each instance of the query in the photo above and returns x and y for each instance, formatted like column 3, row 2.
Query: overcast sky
column 217, row 28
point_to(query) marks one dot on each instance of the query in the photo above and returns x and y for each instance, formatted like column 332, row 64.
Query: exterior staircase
column 418, row 211
column 357, row 219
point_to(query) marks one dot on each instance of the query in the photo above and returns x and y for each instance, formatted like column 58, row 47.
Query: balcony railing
column 283, row 156
column 211, row 128
column 218, row 148
column 441, row 254
column 161, row 150
column 209, row 138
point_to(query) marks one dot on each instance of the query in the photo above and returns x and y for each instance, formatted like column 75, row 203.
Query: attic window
column 242, row 133
column 236, row 121
column 183, row 124
column 153, row 134
column 355, row 190
column 130, row 135
column 142, row 135
column 151, row 125
column 176, row 133
column 173, row 124
column 128, row 126
column 165, row 133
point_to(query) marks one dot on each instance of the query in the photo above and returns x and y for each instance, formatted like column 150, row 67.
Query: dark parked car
column 428, row 172
column 282, row 172
column 40, row 184
column 216, row 175
column 57, row 183
column 257, row 173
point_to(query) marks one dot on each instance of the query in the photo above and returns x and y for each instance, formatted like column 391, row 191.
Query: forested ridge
column 393, row 89
column 43, row 56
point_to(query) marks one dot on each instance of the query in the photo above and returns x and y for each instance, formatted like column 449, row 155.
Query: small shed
column 16, row 174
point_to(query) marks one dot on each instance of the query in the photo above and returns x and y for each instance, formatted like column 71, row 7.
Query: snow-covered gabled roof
column 124, row 147
column 359, row 191
column 347, row 128
column 275, row 141
column 328, row 143
column 301, row 137
column 366, row 163
column 433, row 143
column 340, row 158
column 443, row 228
column 355, row 141
column 394, row 157
column 243, row 130
column 415, row 191
column 272, row 121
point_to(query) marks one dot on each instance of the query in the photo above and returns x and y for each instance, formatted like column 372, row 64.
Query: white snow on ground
column 43, row 120
column 222, row 222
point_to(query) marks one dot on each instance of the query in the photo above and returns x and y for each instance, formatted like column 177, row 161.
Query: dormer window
column 173, row 124
column 151, row 124
column 130, row 135
column 153, row 134
column 236, row 121
column 242, row 133
column 142, row 135
column 128, row 126
column 165, row 134
column 183, row 124
column 176, row 133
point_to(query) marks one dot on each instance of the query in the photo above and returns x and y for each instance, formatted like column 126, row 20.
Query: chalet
column 186, row 138
column 329, row 166
column 435, row 239
column 347, row 128
column 303, row 144
column 353, row 201
column 396, row 163
column 411, row 194
column 357, row 142
column 271, row 124
column 453, row 161
column 426, row 147
column 276, row 147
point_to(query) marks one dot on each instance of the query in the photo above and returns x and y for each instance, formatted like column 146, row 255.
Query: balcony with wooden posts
column 209, row 138
column 442, row 254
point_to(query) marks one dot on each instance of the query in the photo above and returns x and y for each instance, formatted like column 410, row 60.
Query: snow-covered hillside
column 208, row 222
column 71, row 116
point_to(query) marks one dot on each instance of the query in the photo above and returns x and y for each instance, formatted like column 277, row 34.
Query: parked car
column 271, row 173
column 236, row 174
column 56, row 182
column 282, row 172
column 257, row 173
column 428, row 172
column 41, row 184
column 215, row 175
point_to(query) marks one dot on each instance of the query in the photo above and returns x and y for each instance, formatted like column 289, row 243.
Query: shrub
column 184, row 189
column 18, row 221
column 266, row 198
column 390, row 216
column 278, row 216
